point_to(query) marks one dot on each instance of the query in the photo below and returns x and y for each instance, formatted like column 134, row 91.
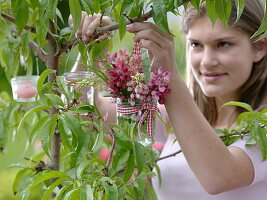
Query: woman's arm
column 217, row 167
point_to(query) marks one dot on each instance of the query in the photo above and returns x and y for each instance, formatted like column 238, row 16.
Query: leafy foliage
column 56, row 111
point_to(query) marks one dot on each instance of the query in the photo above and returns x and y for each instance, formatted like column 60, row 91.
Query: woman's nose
column 209, row 58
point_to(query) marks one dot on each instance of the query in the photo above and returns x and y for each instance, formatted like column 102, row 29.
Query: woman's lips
column 212, row 77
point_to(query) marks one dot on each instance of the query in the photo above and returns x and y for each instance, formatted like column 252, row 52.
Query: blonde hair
column 254, row 91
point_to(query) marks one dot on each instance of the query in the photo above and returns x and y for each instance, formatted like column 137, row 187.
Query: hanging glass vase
column 24, row 88
column 138, row 121
column 75, row 80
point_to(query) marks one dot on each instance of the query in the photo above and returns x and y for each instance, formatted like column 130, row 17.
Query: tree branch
column 39, row 52
column 12, row 20
column 106, row 29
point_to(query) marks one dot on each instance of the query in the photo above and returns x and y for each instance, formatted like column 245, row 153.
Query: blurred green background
column 15, row 152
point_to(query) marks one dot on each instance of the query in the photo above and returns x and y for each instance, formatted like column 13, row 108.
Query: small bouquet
column 136, row 89
column 129, row 81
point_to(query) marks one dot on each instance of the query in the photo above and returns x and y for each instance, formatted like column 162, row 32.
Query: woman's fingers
column 89, row 24
column 139, row 26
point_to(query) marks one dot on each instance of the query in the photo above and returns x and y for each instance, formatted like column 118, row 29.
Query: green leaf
column 76, row 12
column 98, row 142
column 211, row 11
column 42, row 78
column 251, row 142
column 20, row 11
column 126, row 6
column 38, row 127
column 51, row 9
column 223, row 9
column 240, row 4
column 140, row 156
column 196, row 3
column 129, row 168
column 86, row 192
column 55, row 99
column 64, row 88
column 120, row 157
column 240, row 104
column 30, row 112
column 51, row 188
column 47, row 134
column 263, row 142
column 46, row 176
column 62, row 191
column 65, row 133
column 160, row 15
column 20, row 175
column 72, row 195
column 263, row 26
column 158, row 174
column 98, row 49
column 110, row 188
column 122, row 27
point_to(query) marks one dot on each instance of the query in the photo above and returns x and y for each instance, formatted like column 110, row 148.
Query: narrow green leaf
column 263, row 26
column 42, row 78
column 55, row 99
column 38, row 127
column 160, row 15
column 98, row 49
column 263, row 142
column 86, row 192
column 30, row 112
column 158, row 174
column 240, row 104
column 196, row 3
column 129, row 169
column 51, row 188
column 98, row 142
column 72, row 195
column 20, row 11
column 76, row 12
column 20, row 175
column 211, row 11
column 110, row 188
column 62, row 191
column 64, row 88
column 120, row 157
column 122, row 27
column 51, row 8
column 126, row 6
column 240, row 4
column 65, row 133
column 47, row 175
column 223, row 9
column 140, row 156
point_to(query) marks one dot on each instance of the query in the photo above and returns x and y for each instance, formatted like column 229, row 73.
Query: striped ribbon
column 149, row 114
column 72, row 84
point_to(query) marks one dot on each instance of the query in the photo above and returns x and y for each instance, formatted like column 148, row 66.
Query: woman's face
column 221, row 58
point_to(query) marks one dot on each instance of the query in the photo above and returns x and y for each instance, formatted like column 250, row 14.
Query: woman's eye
column 223, row 44
column 195, row 45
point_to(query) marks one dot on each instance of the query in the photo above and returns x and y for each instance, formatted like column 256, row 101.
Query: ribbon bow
column 149, row 114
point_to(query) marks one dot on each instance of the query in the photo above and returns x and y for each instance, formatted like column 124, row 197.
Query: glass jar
column 24, row 88
column 138, row 122
column 75, row 79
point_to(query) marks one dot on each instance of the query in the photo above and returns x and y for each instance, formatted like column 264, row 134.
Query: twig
column 12, row 20
column 39, row 52
column 168, row 156
column 106, row 29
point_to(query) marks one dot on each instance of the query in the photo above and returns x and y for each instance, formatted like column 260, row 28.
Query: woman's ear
column 260, row 49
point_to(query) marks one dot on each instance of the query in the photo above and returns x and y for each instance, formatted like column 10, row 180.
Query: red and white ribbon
column 149, row 114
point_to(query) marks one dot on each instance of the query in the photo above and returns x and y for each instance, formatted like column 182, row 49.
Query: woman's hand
column 89, row 24
column 159, row 44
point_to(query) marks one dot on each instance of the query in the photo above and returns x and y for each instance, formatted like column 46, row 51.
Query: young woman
column 225, row 65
